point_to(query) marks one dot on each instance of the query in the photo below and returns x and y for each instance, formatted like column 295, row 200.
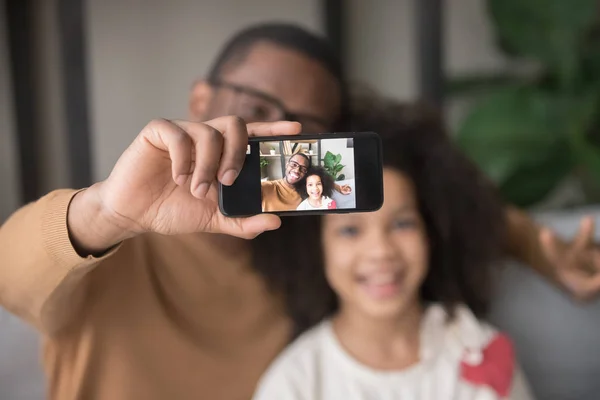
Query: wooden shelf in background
column 287, row 155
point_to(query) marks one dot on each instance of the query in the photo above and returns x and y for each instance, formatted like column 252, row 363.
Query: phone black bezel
column 234, row 199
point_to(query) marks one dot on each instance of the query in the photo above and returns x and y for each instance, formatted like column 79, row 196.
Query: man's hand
column 166, row 182
column 344, row 189
column 576, row 264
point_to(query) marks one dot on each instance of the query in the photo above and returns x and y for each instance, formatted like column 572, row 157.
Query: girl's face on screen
column 314, row 187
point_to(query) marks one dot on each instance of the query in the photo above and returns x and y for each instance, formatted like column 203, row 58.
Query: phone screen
column 328, row 173
column 308, row 175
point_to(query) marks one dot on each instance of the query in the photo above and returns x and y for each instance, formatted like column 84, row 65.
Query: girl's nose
column 379, row 244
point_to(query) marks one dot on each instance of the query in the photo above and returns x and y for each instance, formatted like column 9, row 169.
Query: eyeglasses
column 255, row 106
column 295, row 165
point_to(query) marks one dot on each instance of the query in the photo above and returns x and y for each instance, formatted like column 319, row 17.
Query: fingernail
column 202, row 190
column 229, row 177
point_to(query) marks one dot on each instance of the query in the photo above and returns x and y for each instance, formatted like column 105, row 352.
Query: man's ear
column 200, row 98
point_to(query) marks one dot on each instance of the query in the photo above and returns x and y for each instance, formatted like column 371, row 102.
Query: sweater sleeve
column 41, row 274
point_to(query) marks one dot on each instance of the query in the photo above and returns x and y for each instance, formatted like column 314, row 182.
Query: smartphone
column 307, row 174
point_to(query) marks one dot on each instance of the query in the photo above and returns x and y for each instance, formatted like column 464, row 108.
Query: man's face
column 270, row 81
column 296, row 169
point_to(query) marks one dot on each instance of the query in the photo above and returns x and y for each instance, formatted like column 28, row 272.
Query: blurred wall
column 47, row 78
column 9, row 171
column 383, row 42
column 50, row 111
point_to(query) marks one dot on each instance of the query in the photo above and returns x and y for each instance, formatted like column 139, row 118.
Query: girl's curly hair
column 326, row 180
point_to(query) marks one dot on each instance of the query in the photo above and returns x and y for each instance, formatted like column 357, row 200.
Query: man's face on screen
column 296, row 169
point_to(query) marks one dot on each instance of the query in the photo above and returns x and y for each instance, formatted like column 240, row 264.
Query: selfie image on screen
column 307, row 175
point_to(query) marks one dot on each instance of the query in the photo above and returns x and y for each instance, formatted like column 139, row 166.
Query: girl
column 317, row 190
column 403, row 289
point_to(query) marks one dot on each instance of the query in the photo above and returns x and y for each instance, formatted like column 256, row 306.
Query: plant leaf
column 341, row 177
column 583, row 123
column 329, row 157
column 547, row 30
column 515, row 135
column 338, row 158
column 478, row 83
column 529, row 185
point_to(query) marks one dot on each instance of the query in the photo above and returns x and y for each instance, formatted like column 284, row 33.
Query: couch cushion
column 21, row 376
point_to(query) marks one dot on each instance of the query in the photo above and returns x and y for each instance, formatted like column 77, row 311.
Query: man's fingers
column 274, row 128
column 583, row 288
column 549, row 245
column 247, row 228
column 208, row 146
column 260, row 223
column 219, row 146
column 234, row 149
column 170, row 137
column 591, row 287
column 585, row 236
column 592, row 263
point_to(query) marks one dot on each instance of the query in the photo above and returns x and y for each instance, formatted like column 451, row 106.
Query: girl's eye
column 348, row 231
column 404, row 223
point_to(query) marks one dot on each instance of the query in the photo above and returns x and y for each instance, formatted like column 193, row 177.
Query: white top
column 464, row 359
column 325, row 204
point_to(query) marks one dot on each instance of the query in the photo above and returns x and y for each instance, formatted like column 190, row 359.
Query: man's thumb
column 250, row 227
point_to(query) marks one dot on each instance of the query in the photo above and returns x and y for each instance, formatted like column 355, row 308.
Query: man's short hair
column 288, row 36
column 307, row 158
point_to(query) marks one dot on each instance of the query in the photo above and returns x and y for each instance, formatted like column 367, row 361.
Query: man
column 140, row 287
column 280, row 195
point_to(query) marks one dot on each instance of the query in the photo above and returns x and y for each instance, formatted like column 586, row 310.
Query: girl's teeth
column 381, row 279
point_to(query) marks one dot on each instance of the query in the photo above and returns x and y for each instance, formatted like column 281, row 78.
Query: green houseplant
column 333, row 166
column 264, row 163
column 530, row 131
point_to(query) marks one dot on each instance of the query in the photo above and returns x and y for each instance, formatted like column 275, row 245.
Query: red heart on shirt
column 496, row 369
